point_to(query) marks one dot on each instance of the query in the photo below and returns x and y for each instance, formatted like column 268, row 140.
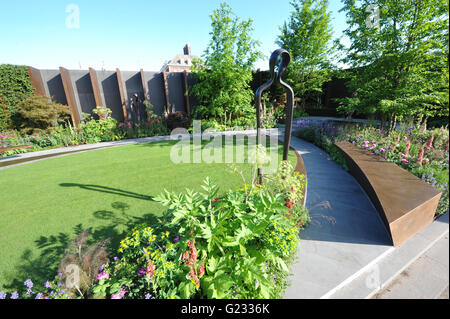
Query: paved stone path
column 426, row 278
column 346, row 233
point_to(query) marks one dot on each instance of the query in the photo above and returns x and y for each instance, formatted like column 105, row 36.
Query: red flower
column 201, row 270
column 193, row 254
column 215, row 200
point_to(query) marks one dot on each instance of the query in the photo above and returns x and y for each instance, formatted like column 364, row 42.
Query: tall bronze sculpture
column 278, row 63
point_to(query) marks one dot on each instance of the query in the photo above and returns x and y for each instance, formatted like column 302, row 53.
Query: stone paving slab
column 426, row 278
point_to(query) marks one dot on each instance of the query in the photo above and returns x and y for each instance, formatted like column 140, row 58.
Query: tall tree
column 307, row 36
column 225, row 73
column 399, row 52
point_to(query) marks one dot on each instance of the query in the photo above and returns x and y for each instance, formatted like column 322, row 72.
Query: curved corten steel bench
column 405, row 203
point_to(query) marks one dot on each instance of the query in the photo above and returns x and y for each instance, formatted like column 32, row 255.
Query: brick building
column 181, row 62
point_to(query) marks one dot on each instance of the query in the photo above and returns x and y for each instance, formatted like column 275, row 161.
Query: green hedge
column 15, row 85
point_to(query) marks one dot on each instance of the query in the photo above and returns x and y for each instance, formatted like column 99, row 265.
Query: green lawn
column 44, row 204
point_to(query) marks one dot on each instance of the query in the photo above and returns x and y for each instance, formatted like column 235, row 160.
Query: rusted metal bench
column 405, row 203
column 12, row 148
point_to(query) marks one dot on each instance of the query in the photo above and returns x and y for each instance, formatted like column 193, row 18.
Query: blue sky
column 128, row 34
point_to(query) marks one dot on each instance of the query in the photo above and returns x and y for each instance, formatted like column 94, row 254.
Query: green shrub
column 234, row 246
column 38, row 114
column 177, row 119
column 15, row 86
column 95, row 131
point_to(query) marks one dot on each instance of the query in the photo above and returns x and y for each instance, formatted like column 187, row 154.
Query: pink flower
column 102, row 275
column 420, row 157
column 429, row 143
column 404, row 160
column 426, row 160
column 150, row 270
column 120, row 294
column 201, row 271
column 408, row 147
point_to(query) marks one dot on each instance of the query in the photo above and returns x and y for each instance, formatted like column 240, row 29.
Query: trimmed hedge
column 15, row 86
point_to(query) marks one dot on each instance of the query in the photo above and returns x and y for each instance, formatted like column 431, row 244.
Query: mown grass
column 44, row 204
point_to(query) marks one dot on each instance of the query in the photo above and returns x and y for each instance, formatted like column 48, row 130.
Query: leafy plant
column 176, row 120
column 225, row 73
column 15, row 86
column 399, row 61
column 39, row 115
column 102, row 112
column 307, row 36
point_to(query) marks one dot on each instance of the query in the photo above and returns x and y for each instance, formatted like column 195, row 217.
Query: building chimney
column 187, row 49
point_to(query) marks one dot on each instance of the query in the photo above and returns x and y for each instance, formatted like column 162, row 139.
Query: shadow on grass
column 41, row 262
column 108, row 190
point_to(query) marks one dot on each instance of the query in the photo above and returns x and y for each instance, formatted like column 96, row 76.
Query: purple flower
column 101, row 267
column 15, row 295
column 60, row 274
column 274, row 276
column 235, row 292
column 39, row 296
column 47, row 284
column 2, row 295
column 28, row 283
column 141, row 272
column 148, row 296
column 116, row 258
column 177, row 239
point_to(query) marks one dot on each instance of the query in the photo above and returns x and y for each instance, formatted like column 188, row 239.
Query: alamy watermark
column 225, row 148
column 373, row 20
column 73, row 17
column 373, row 280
